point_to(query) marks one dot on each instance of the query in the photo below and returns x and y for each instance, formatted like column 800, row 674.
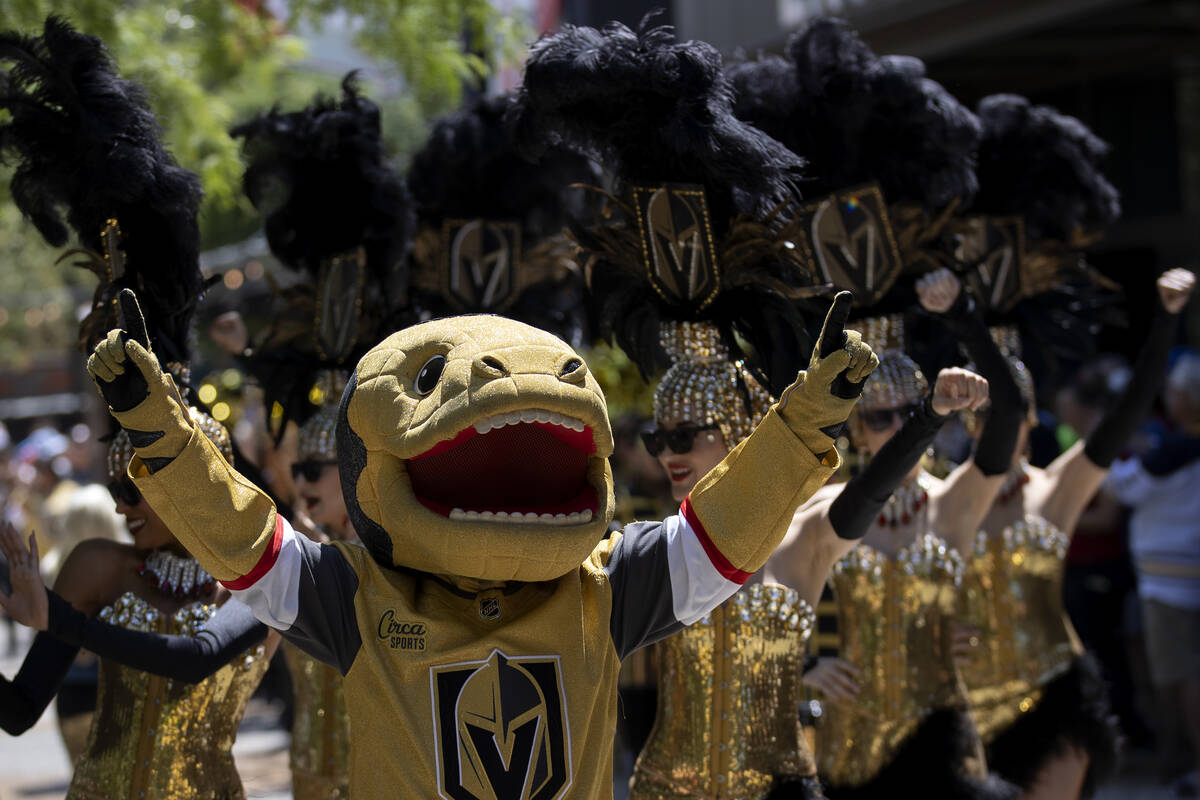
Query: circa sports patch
column 500, row 729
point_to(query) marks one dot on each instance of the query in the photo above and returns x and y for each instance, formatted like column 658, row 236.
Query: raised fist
column 1175, row 289
column 957, row 389
column 938, row 290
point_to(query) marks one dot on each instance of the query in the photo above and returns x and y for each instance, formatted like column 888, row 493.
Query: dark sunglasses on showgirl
column 883, row 418
column 124, row 492
column 309, row 470
column 680, row 439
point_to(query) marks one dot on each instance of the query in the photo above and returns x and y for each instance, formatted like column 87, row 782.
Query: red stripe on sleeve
column 718, row 559
column 264, row 563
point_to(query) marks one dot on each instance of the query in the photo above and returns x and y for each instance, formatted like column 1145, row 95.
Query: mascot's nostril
column 572, row 370
column 490, row 367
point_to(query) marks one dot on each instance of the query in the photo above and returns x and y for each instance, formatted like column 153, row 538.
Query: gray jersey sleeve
column 306, row 591
column 664, row 576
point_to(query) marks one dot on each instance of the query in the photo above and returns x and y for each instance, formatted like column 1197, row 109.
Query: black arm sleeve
column 1116, row 426
column 231, row 631
column 994, row 450
column 25, row 697
column 861, row 499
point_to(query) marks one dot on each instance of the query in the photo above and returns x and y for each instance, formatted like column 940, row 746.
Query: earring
column 711, row 438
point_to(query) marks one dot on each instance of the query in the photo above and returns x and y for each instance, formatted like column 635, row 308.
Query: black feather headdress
column 324, row 185
column 336, row 211
column 1043, row 165
column 695, row 257
column 491, row 223
column 86, row 149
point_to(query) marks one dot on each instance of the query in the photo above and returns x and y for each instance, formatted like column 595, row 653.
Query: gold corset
column 1013, row 594
column 728, row 697
column 893, row 623
column 321, row 730
column 153, row 737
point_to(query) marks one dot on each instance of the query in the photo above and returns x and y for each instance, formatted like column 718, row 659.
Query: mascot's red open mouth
column 523, row 466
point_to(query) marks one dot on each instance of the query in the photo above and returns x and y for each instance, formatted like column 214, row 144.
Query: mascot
column 481, row 630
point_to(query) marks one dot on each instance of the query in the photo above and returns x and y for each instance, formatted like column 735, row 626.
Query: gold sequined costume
column 893, row 617
column 157, row 738
column 320, row 754
column 729, row 688
column 1013, row 594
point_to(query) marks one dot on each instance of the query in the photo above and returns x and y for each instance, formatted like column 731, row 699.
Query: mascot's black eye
column 427, row 378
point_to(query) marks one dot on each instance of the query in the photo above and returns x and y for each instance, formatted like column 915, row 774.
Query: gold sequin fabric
column 321, row 731
column 729, row 689
column 894, row 615
column 704, row 385
column 1012, row 592
column 153, row 737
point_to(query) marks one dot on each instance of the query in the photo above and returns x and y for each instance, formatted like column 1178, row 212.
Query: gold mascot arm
column 222, row 519
column 745, row 504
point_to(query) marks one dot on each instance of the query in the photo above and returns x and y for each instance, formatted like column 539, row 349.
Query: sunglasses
column 124, row 492
column 310, row 470
column 680, row 439
column 883, row 418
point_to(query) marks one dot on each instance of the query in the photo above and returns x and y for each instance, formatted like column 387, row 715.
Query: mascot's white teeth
column 576, row 518
column 528, row 415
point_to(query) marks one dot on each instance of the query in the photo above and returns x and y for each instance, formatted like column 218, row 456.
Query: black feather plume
column 323, row 183
column 86, row 149
column 860, row 118
column 652, row 110
column 1042, row 164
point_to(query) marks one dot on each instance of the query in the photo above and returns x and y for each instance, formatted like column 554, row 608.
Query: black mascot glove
column 817, row 405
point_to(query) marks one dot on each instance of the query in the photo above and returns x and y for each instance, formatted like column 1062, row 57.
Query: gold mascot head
column 476, row 446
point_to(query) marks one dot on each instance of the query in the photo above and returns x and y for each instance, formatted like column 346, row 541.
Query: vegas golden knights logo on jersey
column 482, row 254
column 677, row 243
column 852, row 243
column 501, row 729
column 990, row 249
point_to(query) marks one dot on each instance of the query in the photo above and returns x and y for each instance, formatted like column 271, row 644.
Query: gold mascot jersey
column 488, row 693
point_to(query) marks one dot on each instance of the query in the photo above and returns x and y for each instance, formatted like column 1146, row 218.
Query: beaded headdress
column 338, row 213
column 491, row 224
column 695, row 260
column 86, row 141
column 897, row 382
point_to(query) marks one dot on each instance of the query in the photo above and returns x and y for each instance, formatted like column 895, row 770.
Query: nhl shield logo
column 677, row 243
column 501, row 729
column 482, row 259
column 852, row 243
column 990, row 251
